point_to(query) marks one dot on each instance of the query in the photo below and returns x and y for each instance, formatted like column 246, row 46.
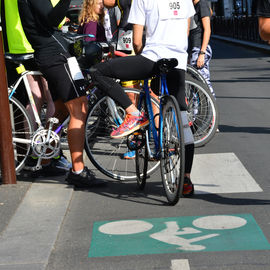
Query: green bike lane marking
column 177, row 235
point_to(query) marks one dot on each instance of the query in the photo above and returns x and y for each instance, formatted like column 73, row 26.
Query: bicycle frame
column 28, row 91
column 162, row 92
column 23, row 77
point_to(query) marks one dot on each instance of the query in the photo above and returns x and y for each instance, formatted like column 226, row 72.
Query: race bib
column 74, row 68
column 171, row 9
column 124, row 42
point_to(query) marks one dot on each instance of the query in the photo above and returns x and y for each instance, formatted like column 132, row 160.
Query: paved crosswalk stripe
column 221, row 173
column 180, row 265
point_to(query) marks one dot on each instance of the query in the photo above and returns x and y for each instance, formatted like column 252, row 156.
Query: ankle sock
column 77, row 172
column 136, row 113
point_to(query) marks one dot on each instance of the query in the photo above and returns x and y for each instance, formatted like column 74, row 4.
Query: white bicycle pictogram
column 173, row 234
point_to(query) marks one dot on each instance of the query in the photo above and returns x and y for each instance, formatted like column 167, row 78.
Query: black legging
column 135, row 68
column 139, row 68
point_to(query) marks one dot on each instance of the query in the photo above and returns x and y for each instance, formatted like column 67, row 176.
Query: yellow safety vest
column 17, row 41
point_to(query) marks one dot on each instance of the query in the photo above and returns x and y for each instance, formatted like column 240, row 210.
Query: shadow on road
column 218, row 199
column 153, row 193
column 237, row 129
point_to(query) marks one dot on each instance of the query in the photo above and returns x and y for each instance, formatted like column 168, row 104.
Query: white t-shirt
column 166, row 23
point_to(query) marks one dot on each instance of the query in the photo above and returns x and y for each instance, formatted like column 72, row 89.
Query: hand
column 200, row 61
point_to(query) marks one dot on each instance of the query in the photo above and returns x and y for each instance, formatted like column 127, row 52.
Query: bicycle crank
column 45, row 142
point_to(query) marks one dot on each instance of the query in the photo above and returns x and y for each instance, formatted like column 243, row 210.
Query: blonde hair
column 88, row 14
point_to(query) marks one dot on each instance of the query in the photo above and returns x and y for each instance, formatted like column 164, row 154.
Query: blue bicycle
column 163, row 139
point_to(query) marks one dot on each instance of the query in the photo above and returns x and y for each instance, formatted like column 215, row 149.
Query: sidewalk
column 253, row 45
column 31, row 215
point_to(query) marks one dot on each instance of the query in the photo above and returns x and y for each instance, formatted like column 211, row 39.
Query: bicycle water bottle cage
column 165, row 65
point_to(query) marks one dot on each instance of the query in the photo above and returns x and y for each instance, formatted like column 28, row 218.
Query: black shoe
column 46, row 171
column 83, row 180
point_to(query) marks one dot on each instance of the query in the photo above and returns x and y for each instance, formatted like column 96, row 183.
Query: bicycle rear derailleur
column 136, row 140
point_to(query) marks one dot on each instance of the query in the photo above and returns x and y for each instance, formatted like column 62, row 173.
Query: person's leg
column 77, row 109
column 176, row 86
column 71, row 93
column 205, row 70
column 46, row 96
column 133, row 67
column 37, row 95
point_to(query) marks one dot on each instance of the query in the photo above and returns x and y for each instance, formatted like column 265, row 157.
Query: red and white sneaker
column 130, row 124
column 188, row 187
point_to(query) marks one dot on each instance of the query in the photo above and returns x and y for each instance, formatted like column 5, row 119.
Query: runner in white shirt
column 166, row 24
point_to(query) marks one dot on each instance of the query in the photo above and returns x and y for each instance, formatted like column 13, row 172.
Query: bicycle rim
column 107, row 154
column 172, row 163
column 202, row 111
column 22, row 128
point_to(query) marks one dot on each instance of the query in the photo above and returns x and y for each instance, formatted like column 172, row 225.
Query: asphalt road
column 121, row 228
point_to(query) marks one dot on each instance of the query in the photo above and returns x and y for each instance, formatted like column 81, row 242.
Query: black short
column 60, row 82
column 263, row 8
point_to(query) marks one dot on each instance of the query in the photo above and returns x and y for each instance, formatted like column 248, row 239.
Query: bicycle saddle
column 18, row 58
column 164, row 65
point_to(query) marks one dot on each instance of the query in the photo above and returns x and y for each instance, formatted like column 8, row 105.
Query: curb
column 262, row 47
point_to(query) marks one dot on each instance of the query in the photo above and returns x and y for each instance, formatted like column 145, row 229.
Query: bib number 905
column 174, row 5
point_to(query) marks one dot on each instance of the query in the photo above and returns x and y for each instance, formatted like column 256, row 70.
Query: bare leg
column 41, row 94
column 36, row 91
column 76, row 130
column 46, row 96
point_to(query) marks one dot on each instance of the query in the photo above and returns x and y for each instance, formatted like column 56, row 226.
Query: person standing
column 199, row 49
column 40, row 20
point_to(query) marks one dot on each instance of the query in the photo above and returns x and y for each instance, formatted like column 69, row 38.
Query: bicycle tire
column 194, row 73
column 99, row 144
column 22, row 128
column 202, row 111
column 141, row 161
column 172, row 161
column 141, row 155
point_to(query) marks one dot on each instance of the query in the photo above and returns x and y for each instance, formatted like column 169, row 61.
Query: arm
column 137, row 38
column 53, row 16
column 205, row 41
column 109, row 3
column 264, row 28
column 188, row 27
column 206, row 33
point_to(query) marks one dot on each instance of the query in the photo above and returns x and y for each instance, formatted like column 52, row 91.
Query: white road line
column 180, row 265
column 221, row 173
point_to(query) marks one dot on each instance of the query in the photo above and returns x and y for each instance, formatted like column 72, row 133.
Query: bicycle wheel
column 141, row 158
column 141, row 155
column 202, row 111
column 194, row 73
column 106, row 153
column 172, row 162
column 22, row 131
